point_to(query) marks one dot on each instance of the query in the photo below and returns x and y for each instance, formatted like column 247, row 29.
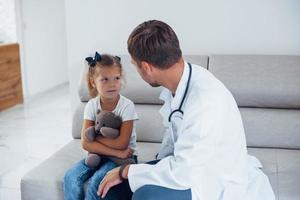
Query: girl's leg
column 95, row 180
column 74, row 179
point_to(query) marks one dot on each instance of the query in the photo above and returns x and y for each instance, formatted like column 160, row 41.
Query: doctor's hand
column 112, row 178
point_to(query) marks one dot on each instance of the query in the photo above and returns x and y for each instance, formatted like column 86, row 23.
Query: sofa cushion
column 149, row 127
column 288, row 174
column 147, row 151
column 134, row 84
column 263, row 127
column 45, row 181
column 260, row 81
column 282, row 166
column 277, row 128
column 78, row 120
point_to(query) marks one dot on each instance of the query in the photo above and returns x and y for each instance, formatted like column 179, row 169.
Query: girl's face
column 107, row 81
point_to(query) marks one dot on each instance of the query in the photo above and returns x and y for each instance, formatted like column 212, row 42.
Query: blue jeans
column 76, row 177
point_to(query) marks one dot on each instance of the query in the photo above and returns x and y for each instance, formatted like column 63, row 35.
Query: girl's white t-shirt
column 125, row 109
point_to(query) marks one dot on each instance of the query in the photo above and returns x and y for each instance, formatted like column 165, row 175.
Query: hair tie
column 93, row 61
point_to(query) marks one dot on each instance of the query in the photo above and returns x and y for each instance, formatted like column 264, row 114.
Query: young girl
column 104, row 83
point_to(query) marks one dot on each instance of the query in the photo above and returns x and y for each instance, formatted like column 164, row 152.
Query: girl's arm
column 99, row 148
column 122, row 141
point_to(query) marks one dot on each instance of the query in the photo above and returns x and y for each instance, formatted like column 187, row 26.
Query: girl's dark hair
column 154, row 42
column 105, row 60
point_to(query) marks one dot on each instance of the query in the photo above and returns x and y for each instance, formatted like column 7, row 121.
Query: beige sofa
column 267, row 90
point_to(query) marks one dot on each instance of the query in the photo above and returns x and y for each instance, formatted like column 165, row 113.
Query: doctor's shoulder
column 206, row 83
column 203, row 97
column 201, row 74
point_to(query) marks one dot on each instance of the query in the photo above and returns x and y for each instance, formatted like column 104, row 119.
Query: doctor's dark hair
column 100, row 61
column 154, row 42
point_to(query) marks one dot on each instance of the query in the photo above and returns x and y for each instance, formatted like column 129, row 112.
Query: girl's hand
column 125, row 153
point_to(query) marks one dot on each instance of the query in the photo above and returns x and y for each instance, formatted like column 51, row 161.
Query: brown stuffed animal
column 108, row 125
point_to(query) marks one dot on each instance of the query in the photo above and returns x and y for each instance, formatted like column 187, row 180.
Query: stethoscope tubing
column 184, row 95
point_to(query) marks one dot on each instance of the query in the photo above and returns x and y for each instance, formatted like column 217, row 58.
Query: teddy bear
column 108, row 125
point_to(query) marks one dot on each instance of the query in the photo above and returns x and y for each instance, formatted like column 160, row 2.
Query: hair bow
column 93, row 61
column 118, row 58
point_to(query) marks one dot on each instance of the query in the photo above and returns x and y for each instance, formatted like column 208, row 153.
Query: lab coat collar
column 166, row 94
column 180, row 88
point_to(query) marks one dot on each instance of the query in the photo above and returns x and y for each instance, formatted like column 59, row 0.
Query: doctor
column 203, row 155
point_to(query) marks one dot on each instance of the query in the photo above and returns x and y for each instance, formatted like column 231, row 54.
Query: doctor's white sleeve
column 192, row 150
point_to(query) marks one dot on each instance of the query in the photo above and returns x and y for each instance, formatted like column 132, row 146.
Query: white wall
column 42, row 34
column 7, row 22
column 203, row 27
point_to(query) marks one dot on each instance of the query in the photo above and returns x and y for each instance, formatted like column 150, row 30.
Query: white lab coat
column 206, row 150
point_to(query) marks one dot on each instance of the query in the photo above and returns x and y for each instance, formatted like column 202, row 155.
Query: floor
column 29, row 133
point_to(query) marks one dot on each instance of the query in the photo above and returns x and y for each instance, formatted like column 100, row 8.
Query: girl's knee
column 71, row 186
column 97, row 177
column 101, row 172
column 72, row 179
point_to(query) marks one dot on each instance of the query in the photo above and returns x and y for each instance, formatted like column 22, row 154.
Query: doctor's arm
column 193, row 149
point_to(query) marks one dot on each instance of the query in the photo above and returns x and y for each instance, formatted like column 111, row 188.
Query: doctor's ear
column 147, row 67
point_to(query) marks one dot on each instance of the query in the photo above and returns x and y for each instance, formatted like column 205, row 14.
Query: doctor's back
column 219, row 162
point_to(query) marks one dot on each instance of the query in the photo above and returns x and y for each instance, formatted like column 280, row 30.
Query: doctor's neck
column 170, row 77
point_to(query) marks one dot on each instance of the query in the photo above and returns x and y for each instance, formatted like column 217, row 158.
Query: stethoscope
column 179, row 110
